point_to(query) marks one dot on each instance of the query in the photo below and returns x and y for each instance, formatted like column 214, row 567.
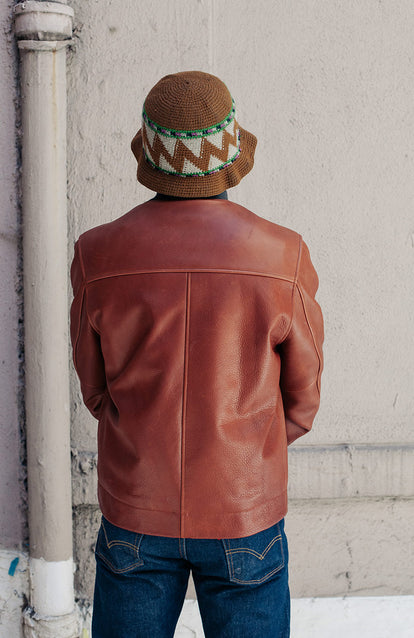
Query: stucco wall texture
column 328, row 88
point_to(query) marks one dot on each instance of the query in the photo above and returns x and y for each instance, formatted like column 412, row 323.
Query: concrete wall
column 327, row 87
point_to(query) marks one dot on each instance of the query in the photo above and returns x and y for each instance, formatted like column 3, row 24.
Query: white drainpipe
column 43, row 30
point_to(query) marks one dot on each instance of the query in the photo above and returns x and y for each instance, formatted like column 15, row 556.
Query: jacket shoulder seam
column 224, row 271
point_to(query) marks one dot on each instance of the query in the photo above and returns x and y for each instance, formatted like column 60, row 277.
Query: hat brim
column 196, row 185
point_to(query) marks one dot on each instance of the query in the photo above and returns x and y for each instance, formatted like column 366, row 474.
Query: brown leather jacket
column 197, row 341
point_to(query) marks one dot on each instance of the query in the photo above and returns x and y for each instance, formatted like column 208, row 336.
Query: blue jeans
column 141, row 581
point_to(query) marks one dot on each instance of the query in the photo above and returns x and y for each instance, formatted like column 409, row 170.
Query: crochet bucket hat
column 190, row 143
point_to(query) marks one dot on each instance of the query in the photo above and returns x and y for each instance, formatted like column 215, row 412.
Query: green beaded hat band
column 189, row 153
column 190, row 143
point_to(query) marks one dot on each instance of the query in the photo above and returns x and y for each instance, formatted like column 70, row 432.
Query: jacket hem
column 205, row 524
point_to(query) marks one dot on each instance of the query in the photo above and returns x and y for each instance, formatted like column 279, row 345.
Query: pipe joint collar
column 43, row 21
column 36, row 626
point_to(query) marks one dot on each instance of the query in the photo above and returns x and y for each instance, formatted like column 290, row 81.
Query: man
column 197, row 341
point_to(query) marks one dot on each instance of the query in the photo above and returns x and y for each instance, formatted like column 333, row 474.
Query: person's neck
column 160, row 196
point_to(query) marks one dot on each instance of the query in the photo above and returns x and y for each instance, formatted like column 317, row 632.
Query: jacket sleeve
column 301, row 352
column 87, row 354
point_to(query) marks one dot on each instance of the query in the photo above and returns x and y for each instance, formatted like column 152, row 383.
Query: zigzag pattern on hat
column 201, row 155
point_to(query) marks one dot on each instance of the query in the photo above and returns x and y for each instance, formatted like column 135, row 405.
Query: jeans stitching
column 258, row 580
column 182, row 548
column 109, row 544
column 229, row 557
column 116, row 542
column 116, row 569
column 259, row 555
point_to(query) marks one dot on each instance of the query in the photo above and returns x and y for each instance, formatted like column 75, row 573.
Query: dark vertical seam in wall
column 184, row 399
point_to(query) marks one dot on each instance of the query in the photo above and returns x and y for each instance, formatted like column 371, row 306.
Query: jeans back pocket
column 118, row 548
column 254, row 559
